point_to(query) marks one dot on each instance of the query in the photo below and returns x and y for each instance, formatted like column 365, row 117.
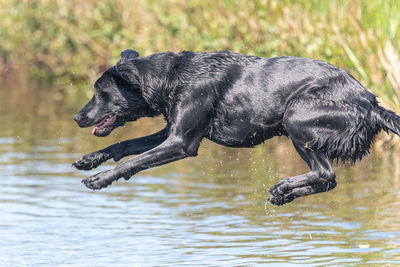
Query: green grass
column 73, row 41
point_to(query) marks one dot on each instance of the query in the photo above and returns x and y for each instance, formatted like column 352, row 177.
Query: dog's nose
column 77, row 118
column 82, row 120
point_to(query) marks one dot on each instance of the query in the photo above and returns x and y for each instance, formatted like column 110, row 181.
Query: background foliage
column 69, row 41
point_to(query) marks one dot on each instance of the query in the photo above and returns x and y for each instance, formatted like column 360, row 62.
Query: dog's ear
column 126, row 69
column 127, row 55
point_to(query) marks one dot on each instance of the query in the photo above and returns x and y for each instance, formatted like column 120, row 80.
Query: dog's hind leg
column 321, row 178
column 305, row 122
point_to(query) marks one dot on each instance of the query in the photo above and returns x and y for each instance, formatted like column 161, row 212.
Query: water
column 208, row 211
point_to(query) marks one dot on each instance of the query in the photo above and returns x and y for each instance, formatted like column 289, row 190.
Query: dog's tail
column 386, row 119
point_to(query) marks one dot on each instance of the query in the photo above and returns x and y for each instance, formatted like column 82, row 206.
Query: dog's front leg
column 171, row 150
column 189, row 120
column 120, row 150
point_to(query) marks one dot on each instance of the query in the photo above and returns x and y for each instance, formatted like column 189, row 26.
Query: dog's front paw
column 90, row 161
column 99, row 180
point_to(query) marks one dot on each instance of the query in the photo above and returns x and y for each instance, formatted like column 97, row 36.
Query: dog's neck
column 157, row 84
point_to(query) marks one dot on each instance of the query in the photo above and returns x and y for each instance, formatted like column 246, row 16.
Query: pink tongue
column 94, row 130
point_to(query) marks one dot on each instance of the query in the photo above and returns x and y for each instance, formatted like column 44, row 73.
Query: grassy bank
column 70, row 41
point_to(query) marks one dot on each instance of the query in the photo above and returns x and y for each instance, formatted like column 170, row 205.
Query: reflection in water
column 208, row 210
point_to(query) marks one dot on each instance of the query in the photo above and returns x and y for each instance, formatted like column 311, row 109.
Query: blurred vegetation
column 69, row 41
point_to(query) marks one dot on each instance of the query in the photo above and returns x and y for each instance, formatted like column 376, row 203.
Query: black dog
column 237, row 101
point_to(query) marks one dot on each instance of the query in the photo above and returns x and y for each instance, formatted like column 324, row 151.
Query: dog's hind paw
column 99, row 180
column 279, row 200
column 284, row 192
column 90, row 161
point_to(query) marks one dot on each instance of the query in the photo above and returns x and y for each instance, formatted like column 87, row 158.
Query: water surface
column 208, row 211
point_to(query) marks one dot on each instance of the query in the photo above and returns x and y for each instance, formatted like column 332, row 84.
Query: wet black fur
column 238, row 101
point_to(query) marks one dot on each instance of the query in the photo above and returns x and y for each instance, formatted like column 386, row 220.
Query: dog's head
column 117, row 98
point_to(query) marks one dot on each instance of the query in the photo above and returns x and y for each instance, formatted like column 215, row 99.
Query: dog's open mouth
column 104, row 124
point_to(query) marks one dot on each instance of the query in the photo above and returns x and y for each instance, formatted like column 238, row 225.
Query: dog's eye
column 104, row 96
